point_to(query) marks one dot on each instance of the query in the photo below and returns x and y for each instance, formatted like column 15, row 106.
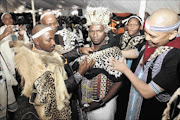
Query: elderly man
column 8, row 34
column 48, row 18
column 63, row 37
column 157, row 75
column 47, row 79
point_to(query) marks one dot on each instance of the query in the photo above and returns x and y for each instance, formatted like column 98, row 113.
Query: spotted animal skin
column 101, row 58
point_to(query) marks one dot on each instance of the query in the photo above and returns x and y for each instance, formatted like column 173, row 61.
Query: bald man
column 47, row 76
column 63, row 37
column 48, row 18
column 157, row 74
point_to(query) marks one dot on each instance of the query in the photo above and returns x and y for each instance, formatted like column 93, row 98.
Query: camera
column 16, row 28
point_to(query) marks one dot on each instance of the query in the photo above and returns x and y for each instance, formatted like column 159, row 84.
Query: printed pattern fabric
column 95, row 89
column 128, row 42
column 47, row 95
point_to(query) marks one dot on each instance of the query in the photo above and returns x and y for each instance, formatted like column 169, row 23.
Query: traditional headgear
column 162, row 29
column 47, row 13
column 134, row 16
column 41, row 32
column 98, row 15
column 6, row 13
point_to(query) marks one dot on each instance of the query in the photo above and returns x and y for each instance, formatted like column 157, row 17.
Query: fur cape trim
column 31, row 64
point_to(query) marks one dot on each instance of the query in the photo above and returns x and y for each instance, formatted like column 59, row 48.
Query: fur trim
column 31, row 65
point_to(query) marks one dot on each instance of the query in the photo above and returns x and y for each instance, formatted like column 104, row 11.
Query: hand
column 85, row 50
column 117, row 65
column 92, row 106
column 8, row 30
column 85, row 66
column 21, row 31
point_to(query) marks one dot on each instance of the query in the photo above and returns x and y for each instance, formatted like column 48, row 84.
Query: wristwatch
column 102, row 103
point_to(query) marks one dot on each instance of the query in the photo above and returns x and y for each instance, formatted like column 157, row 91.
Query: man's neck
column 97, row 47
column 37, row 49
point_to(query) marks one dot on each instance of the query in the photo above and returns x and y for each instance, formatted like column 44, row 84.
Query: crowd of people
column 81, row 70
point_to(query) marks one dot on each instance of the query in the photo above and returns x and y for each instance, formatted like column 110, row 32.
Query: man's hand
column 85, row 66
column 7, row 31
column 85, row 50
column 92, row 106
column 117, row 65
column 21, row 31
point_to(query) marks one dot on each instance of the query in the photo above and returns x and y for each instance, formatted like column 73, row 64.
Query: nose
column 53, row 42
column 95, row 34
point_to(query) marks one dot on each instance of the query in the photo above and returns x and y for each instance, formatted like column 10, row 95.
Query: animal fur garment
column 32, row 64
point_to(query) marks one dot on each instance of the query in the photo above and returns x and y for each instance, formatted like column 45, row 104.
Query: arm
column 76, row 52
column 143, row 88
column 131, row 53
column 73, row 81
column 21, row 33
column 112, row 92
column 7, row 31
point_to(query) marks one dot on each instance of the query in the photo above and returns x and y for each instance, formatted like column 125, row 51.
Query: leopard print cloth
column 129, row 43
column 69, row 38
column 159, row 51
column 101, row 58
column 47, row 95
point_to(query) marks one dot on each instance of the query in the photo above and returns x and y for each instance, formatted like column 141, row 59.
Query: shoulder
column 172, row 57
column 173, row 53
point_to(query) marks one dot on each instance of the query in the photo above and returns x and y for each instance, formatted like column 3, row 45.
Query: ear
column 41, row 22
column 36, row 41
column 173, row 34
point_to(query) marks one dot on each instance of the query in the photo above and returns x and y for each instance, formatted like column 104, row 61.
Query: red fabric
column 148, row 51
column 122, row 14
column 143, row 25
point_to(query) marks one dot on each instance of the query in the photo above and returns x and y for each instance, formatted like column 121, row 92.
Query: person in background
column 48, row 18
column 156, row 77
column 63, row 37
column 78, row 32
column 9, row 33
column 131, row 39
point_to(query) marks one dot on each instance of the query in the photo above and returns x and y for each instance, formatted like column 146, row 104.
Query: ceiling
column 118, row 6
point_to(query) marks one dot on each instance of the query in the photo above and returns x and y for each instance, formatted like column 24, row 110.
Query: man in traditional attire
column 8, row 34
column 156, row 77
column 99, row 86
column 63, row 37
column 47, row 79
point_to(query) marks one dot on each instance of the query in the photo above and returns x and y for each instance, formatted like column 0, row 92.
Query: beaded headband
column 162, row 29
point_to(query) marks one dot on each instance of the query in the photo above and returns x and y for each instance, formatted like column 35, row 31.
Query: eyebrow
column 149, row 34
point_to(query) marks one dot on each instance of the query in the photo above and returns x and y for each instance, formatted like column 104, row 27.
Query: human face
column 97, row 34
column 7, row 19
column 51, row 22
column 46, row 41
column 156, row 39
column 133, row 27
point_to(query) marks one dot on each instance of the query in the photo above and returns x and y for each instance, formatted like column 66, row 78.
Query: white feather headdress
column 98, row 15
